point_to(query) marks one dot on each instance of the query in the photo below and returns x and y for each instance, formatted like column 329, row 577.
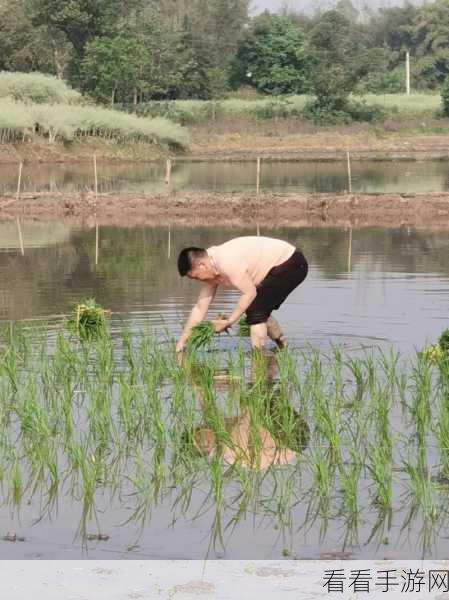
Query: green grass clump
column 201, row 335
column 37, row 88
column 88, row 320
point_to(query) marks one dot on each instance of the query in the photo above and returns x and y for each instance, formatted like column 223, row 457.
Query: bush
column 36, row 87
column 66, row 122
column 445, row 97
column 354, row 110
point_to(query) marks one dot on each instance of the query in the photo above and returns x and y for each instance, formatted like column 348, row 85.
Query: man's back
column 253, row 255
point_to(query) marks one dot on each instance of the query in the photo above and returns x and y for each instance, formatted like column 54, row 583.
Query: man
column 265, row 271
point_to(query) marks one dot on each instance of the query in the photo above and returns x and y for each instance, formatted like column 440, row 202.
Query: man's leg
column 258, row 336
column 275, row 333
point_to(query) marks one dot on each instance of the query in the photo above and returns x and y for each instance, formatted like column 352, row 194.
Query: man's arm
column 199, row 311
column 245, row 284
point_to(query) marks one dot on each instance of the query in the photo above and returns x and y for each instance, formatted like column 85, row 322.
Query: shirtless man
column 265, row 271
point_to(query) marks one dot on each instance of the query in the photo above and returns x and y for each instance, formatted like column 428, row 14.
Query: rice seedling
column 202, row 335
column 244, row 330
column 118, row 417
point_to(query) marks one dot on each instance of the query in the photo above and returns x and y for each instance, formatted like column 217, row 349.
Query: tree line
column 140, row 50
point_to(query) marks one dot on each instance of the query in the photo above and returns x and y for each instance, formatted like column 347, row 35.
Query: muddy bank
column 268, row 210
column 286, row 140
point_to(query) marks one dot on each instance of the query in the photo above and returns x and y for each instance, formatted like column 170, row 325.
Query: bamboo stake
column 349, row 173
column 19, row 181
column 350, row 251
column 97, row 244
column 168, row 172
column 96, row 177
column 258, row 229
column 19, row 228
column 258, row 177
column 169, row 242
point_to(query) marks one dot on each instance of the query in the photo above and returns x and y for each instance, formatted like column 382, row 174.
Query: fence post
column 19, row 181
column 349, row 173
column 168, row 172
column 258, row 177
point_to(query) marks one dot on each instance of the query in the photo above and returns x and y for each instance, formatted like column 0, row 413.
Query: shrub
column 65, row 122
column 445, row 97
column 36, row 87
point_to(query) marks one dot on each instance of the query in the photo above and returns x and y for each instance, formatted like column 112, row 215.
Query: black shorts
column 277, row 285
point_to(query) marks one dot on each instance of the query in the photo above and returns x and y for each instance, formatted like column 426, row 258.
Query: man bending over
column 265, row 271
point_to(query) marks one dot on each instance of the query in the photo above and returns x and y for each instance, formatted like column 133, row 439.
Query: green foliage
column 244, row 328
column 37, row 88
column 430, row 31
column 62, row 122
column 337, row 62
column 445, row 97
column 272, row 57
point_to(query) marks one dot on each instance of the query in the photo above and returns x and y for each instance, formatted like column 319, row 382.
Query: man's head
column 196, row 264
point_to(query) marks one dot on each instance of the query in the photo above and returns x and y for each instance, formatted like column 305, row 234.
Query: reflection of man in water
column 264, row 270
column 261, row 436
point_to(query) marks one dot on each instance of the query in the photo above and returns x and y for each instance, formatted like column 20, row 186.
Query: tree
column 431, row 37
column 272, row 57
column 113, row 66
column 339, row 60
column 23, row 47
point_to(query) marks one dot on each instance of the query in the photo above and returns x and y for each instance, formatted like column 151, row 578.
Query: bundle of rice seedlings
column 433, row 354
column 244, row 328
column 201, row 335
column 89, row 319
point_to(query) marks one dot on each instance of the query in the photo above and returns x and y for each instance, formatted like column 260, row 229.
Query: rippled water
column 366, row 288
column 367, row 176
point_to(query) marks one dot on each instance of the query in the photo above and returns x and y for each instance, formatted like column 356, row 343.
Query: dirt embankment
column 240, row 210
column 282, row 140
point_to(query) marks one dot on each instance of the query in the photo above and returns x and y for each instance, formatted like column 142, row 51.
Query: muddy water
column 404, row 177
column 366, row 288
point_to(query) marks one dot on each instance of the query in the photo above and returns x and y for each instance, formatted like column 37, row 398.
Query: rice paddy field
column 112, row 446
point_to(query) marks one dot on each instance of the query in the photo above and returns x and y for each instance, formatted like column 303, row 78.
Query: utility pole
column 407, row 71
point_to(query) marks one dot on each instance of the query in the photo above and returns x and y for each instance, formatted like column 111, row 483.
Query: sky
column 307, row 5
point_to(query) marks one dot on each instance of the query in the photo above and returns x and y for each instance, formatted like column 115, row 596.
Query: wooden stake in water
column 19, row 229
column 168, row 172
column 350, row 251
column 97, row 244
column 96, row 177
column 407, row 72
column 19, row 180
column 169, row 242
column 258, row 177
column 349, row 173
column 258, row 229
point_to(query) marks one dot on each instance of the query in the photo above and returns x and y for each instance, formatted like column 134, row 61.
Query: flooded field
column 366, row 176
column 114, row 449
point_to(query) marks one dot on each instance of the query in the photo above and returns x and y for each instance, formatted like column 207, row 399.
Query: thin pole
column 168, row 172
column 349, row 173
column 169, row 242
column 350, row 251
column 407, row 72
column 96, row 177
column 258, row 229
column 258, row 177
column 19, row 181
column 97, row 243
column 22, row 249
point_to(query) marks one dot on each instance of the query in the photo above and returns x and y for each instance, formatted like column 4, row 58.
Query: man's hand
column 221, row 325
column 180, row 346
